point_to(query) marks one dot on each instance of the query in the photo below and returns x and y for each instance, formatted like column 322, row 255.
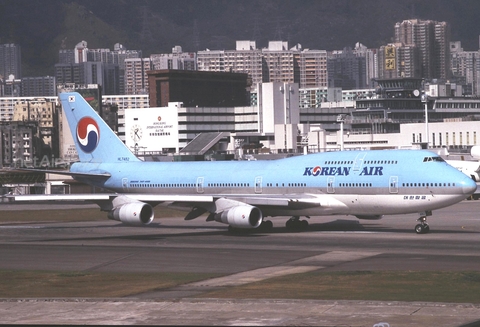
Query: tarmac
column 236, row 312
column 173, row 245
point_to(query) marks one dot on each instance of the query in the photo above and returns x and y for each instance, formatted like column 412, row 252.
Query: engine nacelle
column 133, row 213
column 475, row 152
column 369, row 217
column 244, row 216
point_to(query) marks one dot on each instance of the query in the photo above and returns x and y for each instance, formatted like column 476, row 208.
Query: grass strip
column 43, row 284
column 456, row 287
column 409, row 286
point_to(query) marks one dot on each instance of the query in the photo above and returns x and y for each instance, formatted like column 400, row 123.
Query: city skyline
column 157, row 26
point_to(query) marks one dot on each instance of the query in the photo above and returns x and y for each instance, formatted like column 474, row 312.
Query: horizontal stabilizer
column 64, row 172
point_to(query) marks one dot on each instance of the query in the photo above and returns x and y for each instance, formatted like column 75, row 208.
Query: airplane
column 242, row 194
column 469, row 167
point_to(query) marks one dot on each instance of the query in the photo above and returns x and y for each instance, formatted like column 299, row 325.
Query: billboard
column 151, row 129
column 390, row 57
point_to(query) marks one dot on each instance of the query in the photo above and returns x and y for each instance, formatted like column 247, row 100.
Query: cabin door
column 200, row 184
column 258, row 184
column 124, row 183
column 358, row 163
column 393, row 184
column 331, row 184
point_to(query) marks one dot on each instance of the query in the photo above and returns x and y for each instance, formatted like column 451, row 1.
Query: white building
column 449, row 134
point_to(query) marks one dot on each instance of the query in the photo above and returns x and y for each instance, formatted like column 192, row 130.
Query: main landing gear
column 266, row 226
column 295, row 224
column 423, row 227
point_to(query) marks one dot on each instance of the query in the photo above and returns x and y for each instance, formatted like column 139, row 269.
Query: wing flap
column 293, row 203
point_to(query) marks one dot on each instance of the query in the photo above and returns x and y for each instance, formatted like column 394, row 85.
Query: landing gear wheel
column 419, row 229
column 266, row 226
column 426, row 228
column 295, row 224
column 303, row 224
column 422, row 228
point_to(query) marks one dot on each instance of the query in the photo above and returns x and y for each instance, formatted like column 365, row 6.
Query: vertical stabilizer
column 94, row 139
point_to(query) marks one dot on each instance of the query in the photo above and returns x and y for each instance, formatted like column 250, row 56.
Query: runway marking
column 252, row 276
column 109, row 262
column 342, row 256
column 260, row 274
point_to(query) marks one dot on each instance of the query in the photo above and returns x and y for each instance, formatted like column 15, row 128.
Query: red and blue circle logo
column 316, row 170
column 88, row 134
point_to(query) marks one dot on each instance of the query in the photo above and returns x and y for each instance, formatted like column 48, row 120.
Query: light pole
column 341, row 120
column 425, row 102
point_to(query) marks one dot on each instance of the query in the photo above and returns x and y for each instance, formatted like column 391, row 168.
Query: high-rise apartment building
column 136, row 78
column 432, row 39
column 80, row 52
column 66, row 56
column 398, row 61
column 282, row 63
column 276, row 63
column 119, row 54
column 313, row 68
column 246, row 58
column 175, row 60
column 371, row 62
column 466, row 68
column 94, row 66
column 442, row 50
column 10, row 61
column 38, row 86
column 346, row 69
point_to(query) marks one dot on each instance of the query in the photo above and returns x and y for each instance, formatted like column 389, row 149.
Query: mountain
column 155, row 26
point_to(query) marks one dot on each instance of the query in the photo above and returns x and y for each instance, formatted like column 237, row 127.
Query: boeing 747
column 242, row 194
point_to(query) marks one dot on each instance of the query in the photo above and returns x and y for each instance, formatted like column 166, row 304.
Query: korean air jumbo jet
column 365, row 184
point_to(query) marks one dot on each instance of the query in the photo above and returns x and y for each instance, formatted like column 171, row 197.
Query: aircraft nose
column 469, row 186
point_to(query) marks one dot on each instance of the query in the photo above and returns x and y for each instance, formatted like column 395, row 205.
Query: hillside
column 155, row 26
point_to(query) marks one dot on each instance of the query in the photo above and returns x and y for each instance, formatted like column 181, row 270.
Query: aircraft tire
column 290, row 224
column 304, row 225
column 422, row 229
column 419, row 229
column 426, row 228
column 266, row 226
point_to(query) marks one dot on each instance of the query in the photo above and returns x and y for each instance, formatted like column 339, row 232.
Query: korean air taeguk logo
column 88, row 134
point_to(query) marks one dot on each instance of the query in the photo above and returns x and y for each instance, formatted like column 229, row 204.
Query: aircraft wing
column 295, row 202
column 148, row 198
column 136, row 209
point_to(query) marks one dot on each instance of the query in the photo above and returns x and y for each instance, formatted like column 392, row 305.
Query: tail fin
column 94, row 140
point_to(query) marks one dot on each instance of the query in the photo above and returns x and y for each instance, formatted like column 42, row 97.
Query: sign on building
column 151, row 129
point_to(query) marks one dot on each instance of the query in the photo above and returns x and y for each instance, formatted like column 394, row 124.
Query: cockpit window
column 437, row 159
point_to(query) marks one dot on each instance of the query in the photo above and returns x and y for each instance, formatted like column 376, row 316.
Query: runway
column 174, row 245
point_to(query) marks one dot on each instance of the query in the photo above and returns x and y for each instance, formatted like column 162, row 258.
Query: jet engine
column 133, row 213
column 244, row 216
